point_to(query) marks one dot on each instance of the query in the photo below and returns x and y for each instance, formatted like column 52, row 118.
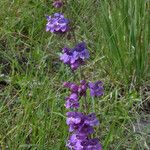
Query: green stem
column 93, row 104
column 74, row 37
column 85, row 104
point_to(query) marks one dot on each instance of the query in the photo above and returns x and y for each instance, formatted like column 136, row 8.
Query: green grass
column 32, row 112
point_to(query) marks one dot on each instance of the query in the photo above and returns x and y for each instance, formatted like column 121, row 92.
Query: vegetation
column 32, row 113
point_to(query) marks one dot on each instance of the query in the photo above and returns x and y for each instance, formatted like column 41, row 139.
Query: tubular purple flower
column 74, row 117
column 76, row 142
column 91, row 144
column 74, row 88
column 91, row 120
column 74, row 120
column 80, row 52
column 72, row 101
column 82, row 88
column 66, row 56
column 72, row 104
column 84, row 130
column 96, row 89
column 67, row 84
column 77, row 91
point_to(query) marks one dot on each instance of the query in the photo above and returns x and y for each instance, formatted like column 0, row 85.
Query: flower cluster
column 96, row 89
column 82, row 126
column 77, row 91
column 76, row 56
column 57, row 23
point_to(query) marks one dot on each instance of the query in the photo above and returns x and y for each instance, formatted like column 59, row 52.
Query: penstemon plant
column 81, row 124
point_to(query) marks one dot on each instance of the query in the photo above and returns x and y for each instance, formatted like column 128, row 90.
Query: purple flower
column 96, row 89
column 57, row 3
column 72, row 101
column 76, row 64
column 66, row 56
column 91, row 144
column 74, row 142
column 91, row 120
column 80, row 52
column 57, row 24
column 74, row 120
column 84, row 130
column 73, row 87
column 76, row 56
column 67, row 84
column 82, row 88
column 80, row 123
column 76, row 92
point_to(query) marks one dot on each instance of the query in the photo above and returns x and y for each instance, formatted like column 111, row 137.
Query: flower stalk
column 81, row 125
